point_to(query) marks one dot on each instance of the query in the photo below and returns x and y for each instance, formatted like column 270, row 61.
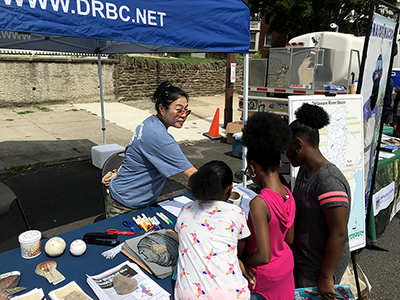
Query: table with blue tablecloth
column 91, row 263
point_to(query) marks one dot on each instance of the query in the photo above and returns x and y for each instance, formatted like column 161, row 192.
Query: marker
column 158, row 222
column 137, row 223
column 172, row 223
column 155, row 223
column 144, row 227
column 149, row 228
column 146, row 219
column 162, row 218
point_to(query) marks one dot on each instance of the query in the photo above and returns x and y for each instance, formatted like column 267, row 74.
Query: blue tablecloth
column 76, row 268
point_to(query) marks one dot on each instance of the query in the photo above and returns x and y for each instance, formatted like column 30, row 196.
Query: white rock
column 77, row 247
column 55, row 246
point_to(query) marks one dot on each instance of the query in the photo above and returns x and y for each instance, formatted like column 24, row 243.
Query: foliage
column 42, row 108
column 238, row 56
column 257, row 55
column 295, row 17
column 13, row 170
column 25, row 112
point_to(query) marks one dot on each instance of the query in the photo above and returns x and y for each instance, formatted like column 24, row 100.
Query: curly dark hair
column 266, row 136
column 309, row 119
column 210, row 181
column 166, row 93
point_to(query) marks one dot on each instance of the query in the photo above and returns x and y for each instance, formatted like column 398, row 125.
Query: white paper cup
column 30, row 243
column 235, row 198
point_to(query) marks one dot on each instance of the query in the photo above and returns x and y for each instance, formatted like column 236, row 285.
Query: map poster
column 341, row 142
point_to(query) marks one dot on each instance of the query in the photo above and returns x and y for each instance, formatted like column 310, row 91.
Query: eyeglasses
column 182, row 112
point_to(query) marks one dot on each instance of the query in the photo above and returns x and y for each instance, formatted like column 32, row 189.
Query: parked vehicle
column 310, row 64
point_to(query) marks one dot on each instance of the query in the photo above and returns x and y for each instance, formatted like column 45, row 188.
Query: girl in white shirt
column 210, row 232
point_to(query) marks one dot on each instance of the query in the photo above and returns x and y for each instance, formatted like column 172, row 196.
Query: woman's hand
column 107, row 178
column 248, row 274
column 325, row 288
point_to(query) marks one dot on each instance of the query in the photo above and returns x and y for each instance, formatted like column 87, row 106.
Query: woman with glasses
column 151, row 156
column 271, row 215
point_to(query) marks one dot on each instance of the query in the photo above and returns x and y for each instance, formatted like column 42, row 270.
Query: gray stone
column 124, row 285
column 76, row 296
column 158, row 249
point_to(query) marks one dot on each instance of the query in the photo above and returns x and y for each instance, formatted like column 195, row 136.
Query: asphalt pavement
column 45, row 157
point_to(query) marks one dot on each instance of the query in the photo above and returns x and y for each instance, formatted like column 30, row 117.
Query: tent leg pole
column 101, row 98
column 354, row 257
column 245, row 109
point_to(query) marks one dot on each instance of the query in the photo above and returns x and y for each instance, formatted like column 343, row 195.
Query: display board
column 373, row 89
column 341, row 142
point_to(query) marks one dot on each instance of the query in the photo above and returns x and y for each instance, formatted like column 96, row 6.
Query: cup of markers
column 150, row 223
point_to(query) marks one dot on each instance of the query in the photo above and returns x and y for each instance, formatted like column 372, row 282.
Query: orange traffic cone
column 214, row 129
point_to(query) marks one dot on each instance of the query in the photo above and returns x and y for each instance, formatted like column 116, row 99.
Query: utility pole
column 228, row 111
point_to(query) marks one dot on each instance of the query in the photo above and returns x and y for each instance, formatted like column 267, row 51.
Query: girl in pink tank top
column 272, row 212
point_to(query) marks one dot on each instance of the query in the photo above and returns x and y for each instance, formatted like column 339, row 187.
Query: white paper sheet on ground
column 247, row 195
column 174, row 206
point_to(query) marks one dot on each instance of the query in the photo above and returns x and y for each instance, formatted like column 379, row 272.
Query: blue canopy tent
column 120, row 26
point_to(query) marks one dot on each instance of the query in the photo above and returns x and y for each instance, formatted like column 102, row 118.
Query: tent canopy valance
column 120, row 26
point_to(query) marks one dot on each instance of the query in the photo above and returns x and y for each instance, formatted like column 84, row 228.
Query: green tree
column 295, row 17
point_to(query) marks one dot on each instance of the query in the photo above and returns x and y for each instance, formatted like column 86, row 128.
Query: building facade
column 261, row 40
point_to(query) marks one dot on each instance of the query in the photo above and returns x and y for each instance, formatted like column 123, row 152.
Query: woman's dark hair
column 309, row 119
column 166, row 93
column 210, row 181
column 266, row 136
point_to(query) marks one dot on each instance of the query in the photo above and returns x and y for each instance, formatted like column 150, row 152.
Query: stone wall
column 54, row 80
column 138, row 78
column 50, row 80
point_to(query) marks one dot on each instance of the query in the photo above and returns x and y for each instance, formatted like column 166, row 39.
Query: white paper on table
column 35, row 294
column 383, row 154
column 72, row 287
column 247, row 195
column 174, row 206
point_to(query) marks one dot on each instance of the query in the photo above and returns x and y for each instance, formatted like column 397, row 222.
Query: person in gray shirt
column 323, row 200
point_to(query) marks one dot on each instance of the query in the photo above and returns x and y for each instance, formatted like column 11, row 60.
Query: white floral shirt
column 208, row 265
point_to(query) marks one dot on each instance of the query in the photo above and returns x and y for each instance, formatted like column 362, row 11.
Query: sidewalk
column 31, row 135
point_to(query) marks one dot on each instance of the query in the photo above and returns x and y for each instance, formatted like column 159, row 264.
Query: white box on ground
column 102, row 152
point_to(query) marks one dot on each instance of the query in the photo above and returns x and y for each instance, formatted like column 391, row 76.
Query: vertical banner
column 373, row 90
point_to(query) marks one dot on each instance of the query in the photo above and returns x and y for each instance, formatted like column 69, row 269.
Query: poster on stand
column 373, row 90
column 341, row 142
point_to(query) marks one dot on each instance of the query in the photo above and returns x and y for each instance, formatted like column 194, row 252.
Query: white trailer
column 310, row 64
